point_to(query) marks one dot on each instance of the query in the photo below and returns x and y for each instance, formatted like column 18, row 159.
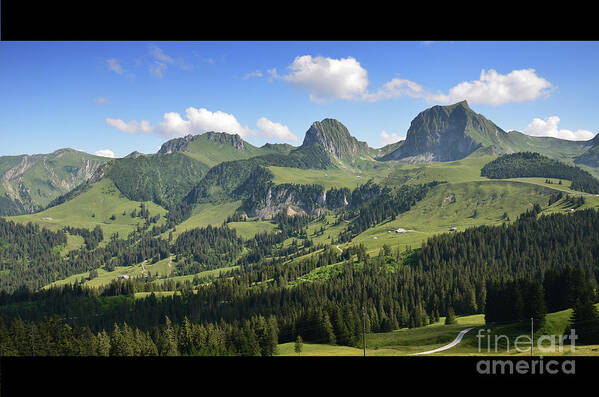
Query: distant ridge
column 30, row 182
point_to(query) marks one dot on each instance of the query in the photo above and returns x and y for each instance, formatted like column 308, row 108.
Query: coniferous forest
column 509, row 272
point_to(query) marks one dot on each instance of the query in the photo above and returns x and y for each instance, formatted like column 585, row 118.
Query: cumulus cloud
column 197, row 121
column 327, row 79
column 495, row 89
column 275, row 130
column 131, row 127
column 396, row 88
column 549, row 127
column 114, row 65
column 388, row 138
column 105, row 153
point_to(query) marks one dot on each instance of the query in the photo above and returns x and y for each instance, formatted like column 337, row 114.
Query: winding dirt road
column 457, row 340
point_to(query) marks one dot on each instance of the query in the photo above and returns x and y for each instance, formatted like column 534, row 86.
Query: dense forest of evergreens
column 468, row 272
column 528, row 164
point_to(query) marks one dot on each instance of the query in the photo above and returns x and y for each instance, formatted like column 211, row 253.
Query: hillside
column 535, row 165
column 212, row 148
column 30, row 182
column 591, row 156
column 335, row 138
column 92, row 208
column 447, row 133
column 162, row 178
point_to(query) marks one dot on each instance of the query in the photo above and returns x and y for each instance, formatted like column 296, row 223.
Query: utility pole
column 364, row 329
column 532, row 335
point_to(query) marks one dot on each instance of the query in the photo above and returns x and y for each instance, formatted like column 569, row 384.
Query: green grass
column 206, row 214
column 212, row 153
column 102, row 200
column 161, row 268
column 190, row 277
column 453, row 205
column 47, row 176
column 331, row 231
column 465, row 170
column 249, row 229
column 407, row 341
column 73, row 242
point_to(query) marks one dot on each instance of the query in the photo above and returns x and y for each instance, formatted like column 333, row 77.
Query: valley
column 289, row 240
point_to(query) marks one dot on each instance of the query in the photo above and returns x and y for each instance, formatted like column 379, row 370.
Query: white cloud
column 105, row 153
column 131, row 127
column 273, row 73
column 495, row 89
column 158, row 69
column 197, row 121
column 275, row 130
column 257, row 73
column 549, row 127
column 388, row 139
column 327, row 79
column 396, row 88
column 157, row 53
column 114, row 65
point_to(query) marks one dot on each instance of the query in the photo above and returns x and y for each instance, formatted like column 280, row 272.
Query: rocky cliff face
column 440, row 134
column 181, row 144
column 307, row 199
column 335, row 138
column 295, row 199
column 30, row 182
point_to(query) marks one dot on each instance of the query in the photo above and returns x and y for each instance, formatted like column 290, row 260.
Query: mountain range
column 438, row 134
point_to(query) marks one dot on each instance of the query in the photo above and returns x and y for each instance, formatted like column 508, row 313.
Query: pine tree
column 103, row 345
column 169, row 339
column 585, row 322
column 450, row 318
column 299, row 345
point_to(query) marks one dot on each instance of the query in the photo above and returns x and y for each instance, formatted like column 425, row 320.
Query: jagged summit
column 335, row 138
column 446, row 133
column 182, row 144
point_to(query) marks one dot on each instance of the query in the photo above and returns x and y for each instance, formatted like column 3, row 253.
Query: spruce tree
column 585, row 322
column 299, row 345
column 450, row 318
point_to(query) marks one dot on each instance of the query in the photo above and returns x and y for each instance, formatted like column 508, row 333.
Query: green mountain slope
column 591, row 156
column 30, row 182
column 447, row 133
column 94, row 207
column 527, row 164
column 212, row 148
column 162, row 178
column 335, row 138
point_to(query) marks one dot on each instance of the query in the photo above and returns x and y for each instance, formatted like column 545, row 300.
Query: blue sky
column 117, row 97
